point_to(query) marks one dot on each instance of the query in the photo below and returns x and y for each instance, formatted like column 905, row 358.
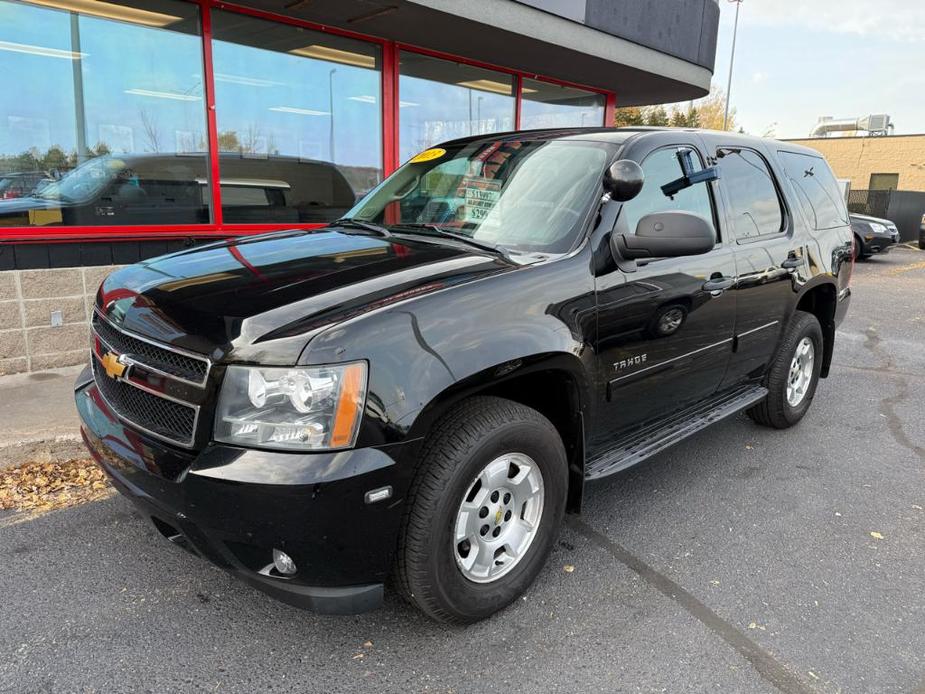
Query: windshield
column 524, row 196
column 84, row 182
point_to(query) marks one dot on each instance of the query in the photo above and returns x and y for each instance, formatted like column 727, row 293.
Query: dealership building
column 130, row 129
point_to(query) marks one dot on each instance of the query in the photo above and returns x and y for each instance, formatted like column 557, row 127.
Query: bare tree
column 251, row 139
column 151, row 133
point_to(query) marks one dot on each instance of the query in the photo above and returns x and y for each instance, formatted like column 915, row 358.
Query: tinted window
column 663, row 166
column 817, row 190
column 440, row 100
column 102, row 118
column 548, row 105
column 755, row 206
column 296, row 110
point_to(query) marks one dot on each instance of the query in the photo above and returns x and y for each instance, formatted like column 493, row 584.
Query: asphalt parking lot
column 742, row 560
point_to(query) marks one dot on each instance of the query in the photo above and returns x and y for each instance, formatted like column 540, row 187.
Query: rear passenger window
column 660, row 167
column 753, row 199
column 816, row 189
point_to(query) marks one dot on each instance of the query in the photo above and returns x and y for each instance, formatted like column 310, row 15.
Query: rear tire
column 793, row 376
column 512, row 442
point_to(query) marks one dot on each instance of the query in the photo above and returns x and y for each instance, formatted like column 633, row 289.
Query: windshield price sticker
column 482, row 194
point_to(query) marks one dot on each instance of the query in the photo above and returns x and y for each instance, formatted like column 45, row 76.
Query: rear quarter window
column 816, row 189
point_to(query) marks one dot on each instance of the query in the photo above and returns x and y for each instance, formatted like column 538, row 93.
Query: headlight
column 300, row 408
column 877, row 228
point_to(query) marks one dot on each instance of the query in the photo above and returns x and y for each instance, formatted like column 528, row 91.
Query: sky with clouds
column 797, row 60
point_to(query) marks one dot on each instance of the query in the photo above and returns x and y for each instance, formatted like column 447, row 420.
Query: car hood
column 260, row 299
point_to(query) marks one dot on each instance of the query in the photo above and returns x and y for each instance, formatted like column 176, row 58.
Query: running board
column 658, row 435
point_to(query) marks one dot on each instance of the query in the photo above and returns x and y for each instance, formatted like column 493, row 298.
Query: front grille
column 164, row 418
column 160, row 390
column 180, row 365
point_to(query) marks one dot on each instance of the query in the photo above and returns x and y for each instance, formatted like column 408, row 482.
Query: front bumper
column 880, row 243
column 233, row 506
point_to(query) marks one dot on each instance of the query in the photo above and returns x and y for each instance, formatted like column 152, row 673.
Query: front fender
column 459, row 337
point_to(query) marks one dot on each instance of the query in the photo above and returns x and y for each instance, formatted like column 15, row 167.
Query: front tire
column 484, row 510
column 793, row 376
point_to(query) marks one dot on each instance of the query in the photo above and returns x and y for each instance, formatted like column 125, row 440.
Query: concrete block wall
column 30, row 338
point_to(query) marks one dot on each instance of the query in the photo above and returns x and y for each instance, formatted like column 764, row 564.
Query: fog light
column 283, row 563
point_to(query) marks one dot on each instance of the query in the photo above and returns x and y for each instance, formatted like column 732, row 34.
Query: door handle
column 718, row 284
column 792, row 263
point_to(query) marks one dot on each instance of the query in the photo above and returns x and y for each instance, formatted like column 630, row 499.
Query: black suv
column 422, row 389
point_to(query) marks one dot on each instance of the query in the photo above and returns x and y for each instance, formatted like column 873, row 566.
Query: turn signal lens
column 349, row 406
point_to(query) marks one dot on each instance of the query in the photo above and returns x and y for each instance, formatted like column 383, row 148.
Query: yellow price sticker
column 428, row 155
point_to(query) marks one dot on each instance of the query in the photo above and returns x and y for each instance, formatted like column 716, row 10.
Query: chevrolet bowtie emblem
column 112, row 366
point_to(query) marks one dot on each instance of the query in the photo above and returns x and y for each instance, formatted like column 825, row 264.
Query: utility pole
column 331, row 101
column 735, row 30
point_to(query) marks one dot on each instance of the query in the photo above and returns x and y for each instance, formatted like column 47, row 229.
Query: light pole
column 735, row 30
column 331, row 100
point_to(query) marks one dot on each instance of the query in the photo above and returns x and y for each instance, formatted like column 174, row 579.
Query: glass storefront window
column 102, row 119
column 299, row 120
column 546, row 105
column 441, row 100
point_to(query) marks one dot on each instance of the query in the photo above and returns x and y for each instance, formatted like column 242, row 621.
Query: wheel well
column 821, row 302
column 553, row 391
column 555, row 395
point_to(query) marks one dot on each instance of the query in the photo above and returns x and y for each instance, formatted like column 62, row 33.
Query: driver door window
column 660, row 167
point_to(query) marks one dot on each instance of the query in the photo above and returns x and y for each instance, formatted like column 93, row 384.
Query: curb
column 55, row 450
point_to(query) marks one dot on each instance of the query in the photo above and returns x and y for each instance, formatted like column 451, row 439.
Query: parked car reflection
column 174, row 189
column 19, row 184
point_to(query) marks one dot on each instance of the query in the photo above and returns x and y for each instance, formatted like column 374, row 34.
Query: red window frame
column 217, row 228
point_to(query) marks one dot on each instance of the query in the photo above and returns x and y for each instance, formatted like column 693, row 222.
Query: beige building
column 895, row 161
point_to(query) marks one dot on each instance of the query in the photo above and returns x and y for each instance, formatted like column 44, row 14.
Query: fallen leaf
column 874, row 534
column 44, row 486
column 568, row 568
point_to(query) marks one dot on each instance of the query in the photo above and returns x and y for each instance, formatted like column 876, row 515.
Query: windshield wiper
column 437, row 230
column 351, row 223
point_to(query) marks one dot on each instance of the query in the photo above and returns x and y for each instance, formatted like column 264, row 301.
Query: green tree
column 628, row 116
column 693, row 117
column 657, row 115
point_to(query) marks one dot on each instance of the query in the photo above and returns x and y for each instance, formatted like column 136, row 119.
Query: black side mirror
column 665, row 235
column 623, row 180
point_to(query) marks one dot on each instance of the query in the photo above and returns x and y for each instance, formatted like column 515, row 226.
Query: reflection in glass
column 102, row 119
column 527, row 196
column 299, row 120
column 441, row 100
column 548, row 105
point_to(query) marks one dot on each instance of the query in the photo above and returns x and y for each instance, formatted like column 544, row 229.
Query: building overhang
column 521, row 37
